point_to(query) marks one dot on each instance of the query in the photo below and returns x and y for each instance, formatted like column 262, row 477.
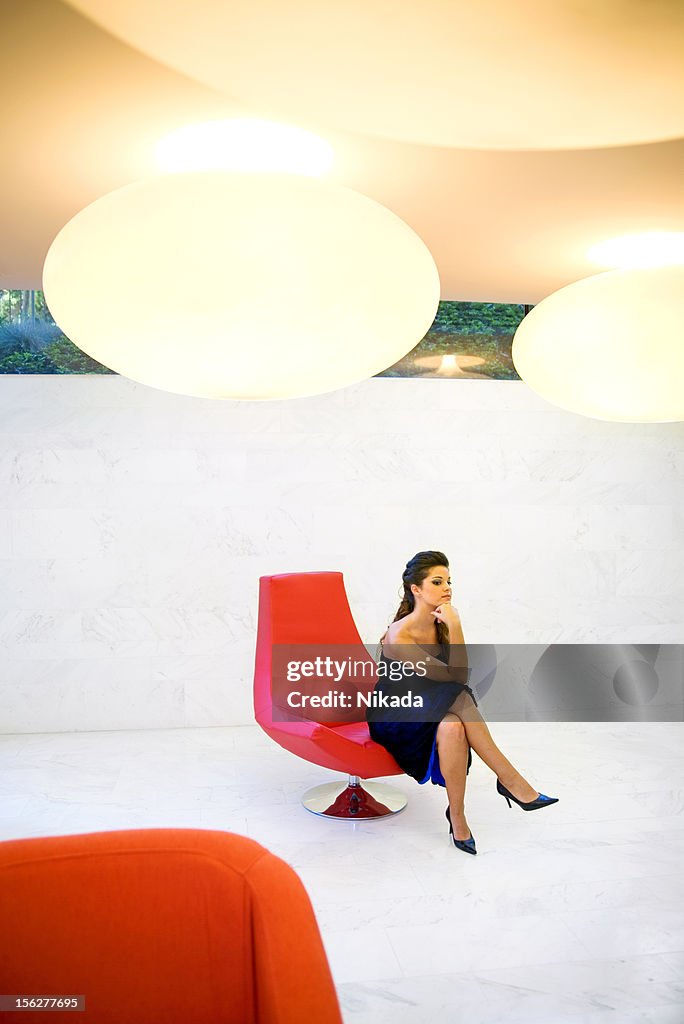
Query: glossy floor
column 572, row 913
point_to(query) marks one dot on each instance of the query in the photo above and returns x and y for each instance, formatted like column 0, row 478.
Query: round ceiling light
column 244, row 144
column 644, row 249
column 246, row 286
column 533, row 74
column 609, row 346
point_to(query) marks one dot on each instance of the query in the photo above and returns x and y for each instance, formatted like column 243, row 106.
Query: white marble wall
column 134, row 525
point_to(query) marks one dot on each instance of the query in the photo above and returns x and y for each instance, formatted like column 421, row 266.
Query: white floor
column 571, row 913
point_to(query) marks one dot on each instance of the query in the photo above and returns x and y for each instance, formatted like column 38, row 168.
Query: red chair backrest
column 160, row 926
column 301, row 608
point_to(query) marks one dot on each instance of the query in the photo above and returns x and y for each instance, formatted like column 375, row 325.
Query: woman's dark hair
column 415, row 572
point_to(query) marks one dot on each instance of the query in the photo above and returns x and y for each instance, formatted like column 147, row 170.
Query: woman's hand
column 446, row 613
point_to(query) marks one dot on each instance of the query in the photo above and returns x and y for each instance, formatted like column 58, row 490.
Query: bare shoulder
column 398, row 633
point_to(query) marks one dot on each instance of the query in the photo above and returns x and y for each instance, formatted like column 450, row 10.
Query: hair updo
column 415, row 572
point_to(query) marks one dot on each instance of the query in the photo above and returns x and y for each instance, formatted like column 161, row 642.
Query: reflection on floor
column 571, row 913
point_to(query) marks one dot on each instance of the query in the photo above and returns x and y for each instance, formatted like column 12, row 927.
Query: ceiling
column 84, row 110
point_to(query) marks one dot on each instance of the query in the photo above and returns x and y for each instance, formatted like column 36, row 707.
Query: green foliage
column 481, row 329
column 477, row 318
column 28, row 362
column 68, row 358
column 33, row 345
column 15, row 303
column 28, row 336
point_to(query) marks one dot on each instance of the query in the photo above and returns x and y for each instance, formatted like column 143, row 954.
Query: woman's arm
column 404, row 648
column 458, row 652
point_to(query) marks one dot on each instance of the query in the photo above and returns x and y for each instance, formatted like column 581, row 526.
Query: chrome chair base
column 352, row 801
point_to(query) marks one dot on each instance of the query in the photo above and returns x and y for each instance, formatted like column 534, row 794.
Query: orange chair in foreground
column 158, row 926
column 311, row 609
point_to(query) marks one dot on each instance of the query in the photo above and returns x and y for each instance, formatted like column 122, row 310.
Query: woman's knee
column 451, row 730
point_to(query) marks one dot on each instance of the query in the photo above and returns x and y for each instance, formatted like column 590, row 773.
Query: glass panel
column 31, row 341
column 466, row 340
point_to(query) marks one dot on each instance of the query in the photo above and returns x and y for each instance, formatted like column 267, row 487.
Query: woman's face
column 436, row 587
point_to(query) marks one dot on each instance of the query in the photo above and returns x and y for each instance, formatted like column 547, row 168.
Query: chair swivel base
column 351, row 801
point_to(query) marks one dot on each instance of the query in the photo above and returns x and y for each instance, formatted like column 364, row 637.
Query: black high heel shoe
column 467, row 845
column 532, row 805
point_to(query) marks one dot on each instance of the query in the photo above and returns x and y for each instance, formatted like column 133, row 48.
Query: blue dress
column 410, row 735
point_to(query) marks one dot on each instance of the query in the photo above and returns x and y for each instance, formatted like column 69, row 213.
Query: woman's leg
column 452, row 747
column 480, row 739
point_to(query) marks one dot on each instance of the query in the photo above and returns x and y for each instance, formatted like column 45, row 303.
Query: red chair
column 312, row 608
column 161, row 926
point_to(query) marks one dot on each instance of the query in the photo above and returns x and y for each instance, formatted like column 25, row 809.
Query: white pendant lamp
column 609, row 346
column 642, row 249
column 529, row 74
column 244, row 144
column 236, row 285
